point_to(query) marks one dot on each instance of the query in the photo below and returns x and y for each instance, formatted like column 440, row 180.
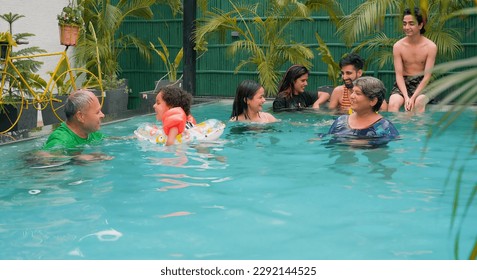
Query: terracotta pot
column 69, row 35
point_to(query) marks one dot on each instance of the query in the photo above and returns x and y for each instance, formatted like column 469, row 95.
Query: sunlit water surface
column 261, row 192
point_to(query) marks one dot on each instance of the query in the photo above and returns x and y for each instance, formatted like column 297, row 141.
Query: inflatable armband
column 174, row 117
column 208, row 130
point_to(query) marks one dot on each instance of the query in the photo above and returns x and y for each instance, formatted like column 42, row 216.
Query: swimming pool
column 261, row 192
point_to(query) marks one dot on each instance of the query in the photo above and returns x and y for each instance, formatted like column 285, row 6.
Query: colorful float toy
column 208, row 130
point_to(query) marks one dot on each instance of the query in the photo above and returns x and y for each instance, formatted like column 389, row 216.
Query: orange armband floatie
column 174, row 117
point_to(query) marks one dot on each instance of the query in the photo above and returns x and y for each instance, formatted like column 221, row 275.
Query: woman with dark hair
column 291, row 91
column 365, row 121
column 248, row 104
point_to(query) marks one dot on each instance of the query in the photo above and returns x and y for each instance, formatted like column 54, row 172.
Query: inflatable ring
column 208, row 130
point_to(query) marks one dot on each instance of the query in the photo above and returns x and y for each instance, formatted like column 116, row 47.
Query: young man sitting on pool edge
column 414, row 56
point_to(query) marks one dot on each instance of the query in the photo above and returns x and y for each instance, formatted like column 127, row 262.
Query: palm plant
column 364, row 23
column 171, row 67
column 27, row 67
column 463, row 88
column 266, row 38
column 326, row 56
column 175, row 5
column 106, row 19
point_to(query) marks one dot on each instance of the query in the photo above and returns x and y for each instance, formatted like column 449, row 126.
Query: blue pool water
column 262, row 192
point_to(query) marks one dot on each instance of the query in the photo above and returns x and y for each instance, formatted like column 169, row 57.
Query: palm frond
column 269, row 77
column 331, row 7
column 176, row 5
column 292, row 8
column 379, row 49
column 465, row 94
column 327, row 57
column 136, row 8
column 215, row 23
column 364, row 20
column 448, row 41
column 245, row 45
column 461, row 12
column 125, row 41
column 296, row 53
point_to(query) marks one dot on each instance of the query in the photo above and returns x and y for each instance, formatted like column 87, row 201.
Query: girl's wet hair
column 177, row 97
column 372, row 88
column 246, row 90
column 287, row 85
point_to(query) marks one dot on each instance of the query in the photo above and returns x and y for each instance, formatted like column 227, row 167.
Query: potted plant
column 70, row 21
column 148, row 98
column 172, row 67
column 6, row 41
column 10, row 106
column 104, row 18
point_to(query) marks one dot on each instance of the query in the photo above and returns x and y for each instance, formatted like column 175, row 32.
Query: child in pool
column 172, row 107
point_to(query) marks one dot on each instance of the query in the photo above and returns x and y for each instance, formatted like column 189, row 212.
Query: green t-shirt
column 65, row 138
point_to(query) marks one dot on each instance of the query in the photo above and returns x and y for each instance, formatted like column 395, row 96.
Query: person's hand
column 407, row 104
column 93, row 157
column 410, row 104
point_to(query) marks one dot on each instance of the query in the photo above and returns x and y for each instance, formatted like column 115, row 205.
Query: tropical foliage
column 460, row 89
column 27, row 67
column 175, row 5
column 171, row 67
column 106, row 19
column 363, row 27
column 264, row 38
column 327, row 57
column 71, row 15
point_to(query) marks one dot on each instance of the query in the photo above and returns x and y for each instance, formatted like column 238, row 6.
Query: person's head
column 294, row 81
column 249, row 96
column 83, row 110
column 368, row 90
column 351, row 68
column 413, row 19
column 170, row 97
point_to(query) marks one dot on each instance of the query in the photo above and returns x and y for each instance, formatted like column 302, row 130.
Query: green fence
column 215, row 68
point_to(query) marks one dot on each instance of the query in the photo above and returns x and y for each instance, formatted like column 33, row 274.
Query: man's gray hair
column 77, row 101
column 372, row 88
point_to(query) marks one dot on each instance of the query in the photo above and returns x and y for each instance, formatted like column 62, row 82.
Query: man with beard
column 351, row 69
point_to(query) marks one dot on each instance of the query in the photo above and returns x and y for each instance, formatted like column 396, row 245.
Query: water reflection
column 198, row 156
column 348, row 157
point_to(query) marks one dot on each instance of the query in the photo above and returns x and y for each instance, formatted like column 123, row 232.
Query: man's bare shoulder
column 429, row 43
column 338, row 90
column 400, row 44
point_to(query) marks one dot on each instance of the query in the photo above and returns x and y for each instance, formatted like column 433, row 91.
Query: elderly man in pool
column 83, row 121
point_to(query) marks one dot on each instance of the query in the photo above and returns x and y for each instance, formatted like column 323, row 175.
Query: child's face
column 160, row 106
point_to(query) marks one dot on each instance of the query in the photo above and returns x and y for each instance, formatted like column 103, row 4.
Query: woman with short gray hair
column 365, row 122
